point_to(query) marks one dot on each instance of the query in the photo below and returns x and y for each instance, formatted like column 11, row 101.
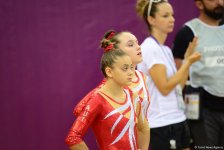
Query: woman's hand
column 190, row 55
column 194, row 57
column 191, row 48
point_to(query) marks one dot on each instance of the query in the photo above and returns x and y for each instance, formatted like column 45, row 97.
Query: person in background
column 206, row 76
column 112, row 107
column 168, row 125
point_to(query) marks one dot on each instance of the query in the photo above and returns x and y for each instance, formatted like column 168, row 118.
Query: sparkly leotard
column 113, row 123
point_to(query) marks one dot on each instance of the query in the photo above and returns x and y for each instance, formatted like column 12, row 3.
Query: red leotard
column 114, row 124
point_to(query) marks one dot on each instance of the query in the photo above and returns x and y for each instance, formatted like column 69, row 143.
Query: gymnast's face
column 121, row 71
column 129, row 44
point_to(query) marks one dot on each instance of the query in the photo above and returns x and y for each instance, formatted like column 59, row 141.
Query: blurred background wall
column 49, row 59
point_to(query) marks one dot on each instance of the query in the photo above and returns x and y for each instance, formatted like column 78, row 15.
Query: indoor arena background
column 49, row 59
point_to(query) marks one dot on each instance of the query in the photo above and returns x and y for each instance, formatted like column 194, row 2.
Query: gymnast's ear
column 108, row 72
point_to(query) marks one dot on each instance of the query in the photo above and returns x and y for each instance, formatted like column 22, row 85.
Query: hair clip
column 111, row 35
column 108, row 48
column 150, row 4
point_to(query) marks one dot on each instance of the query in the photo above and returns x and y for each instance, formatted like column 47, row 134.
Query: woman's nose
column 138, row 47
column 172, row 18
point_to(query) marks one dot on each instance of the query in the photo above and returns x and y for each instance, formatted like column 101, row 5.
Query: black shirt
column 182, row 39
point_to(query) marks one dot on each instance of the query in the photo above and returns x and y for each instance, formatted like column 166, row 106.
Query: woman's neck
column 135, row 77
column 112, row 89
column 159, row 36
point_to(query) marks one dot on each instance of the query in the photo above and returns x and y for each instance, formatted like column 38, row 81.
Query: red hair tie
column 111, row 35
column 108, row 48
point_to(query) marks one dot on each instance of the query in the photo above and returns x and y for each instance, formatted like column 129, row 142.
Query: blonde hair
column 142, row 7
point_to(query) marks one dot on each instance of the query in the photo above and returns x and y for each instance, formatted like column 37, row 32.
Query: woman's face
column 122, row 71
column 129, row 44
column 164, row 19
